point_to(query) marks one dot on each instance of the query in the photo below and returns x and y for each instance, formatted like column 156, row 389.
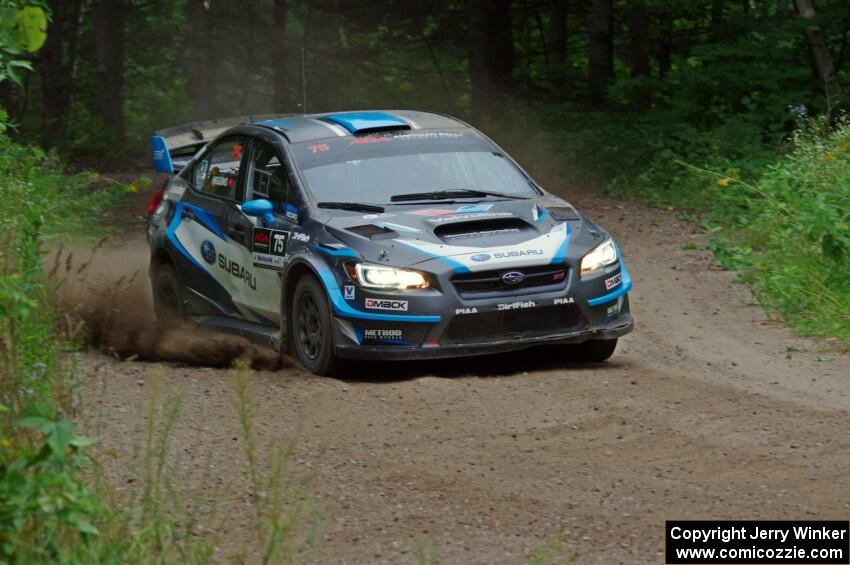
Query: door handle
column 237, row 232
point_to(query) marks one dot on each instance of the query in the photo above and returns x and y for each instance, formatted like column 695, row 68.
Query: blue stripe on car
column 541, row 213
column 359, row 121
column 206, row 219
column 342, row 309
column 341, row 252
column 169, row 233
column 561, row 253
column 274, row 123
column 625, row 287
column 458, row 267
column 172, row 237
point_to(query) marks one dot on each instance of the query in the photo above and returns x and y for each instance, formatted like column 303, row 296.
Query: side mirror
column 260, row 208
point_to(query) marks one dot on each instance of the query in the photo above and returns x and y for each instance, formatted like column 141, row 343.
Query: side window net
column 268, row 176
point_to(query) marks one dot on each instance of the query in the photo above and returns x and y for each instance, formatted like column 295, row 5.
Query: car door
column 266, row 245
column 216, row 187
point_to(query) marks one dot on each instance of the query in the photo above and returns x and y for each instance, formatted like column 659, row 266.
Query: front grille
column 511, row 324
column 544, row 278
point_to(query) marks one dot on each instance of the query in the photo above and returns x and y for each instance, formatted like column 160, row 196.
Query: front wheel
column 592, row 351
column 312, row 337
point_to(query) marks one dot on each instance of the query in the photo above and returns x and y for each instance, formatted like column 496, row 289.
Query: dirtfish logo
column 519, row 305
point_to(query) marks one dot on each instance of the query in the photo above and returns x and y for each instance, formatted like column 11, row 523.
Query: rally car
column 375, row 235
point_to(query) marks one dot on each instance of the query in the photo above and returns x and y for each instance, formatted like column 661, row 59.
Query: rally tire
column 312, row 334
column 168, row 295
column 593, row 350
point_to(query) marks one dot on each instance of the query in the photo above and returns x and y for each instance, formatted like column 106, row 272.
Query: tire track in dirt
column 702, row 413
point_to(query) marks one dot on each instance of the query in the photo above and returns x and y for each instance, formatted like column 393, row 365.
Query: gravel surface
column 707, row 411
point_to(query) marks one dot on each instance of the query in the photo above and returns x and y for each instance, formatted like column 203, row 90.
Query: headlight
column 378, row 276
column 602, row 255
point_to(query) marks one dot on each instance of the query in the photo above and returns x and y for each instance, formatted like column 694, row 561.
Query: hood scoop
column 561, row 213
column 455, row 232
column 371, row 231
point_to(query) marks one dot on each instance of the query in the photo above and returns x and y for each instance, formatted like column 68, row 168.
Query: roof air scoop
column 368, row 122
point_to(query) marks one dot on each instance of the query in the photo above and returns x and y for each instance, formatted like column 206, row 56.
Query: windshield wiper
column 355, row 206
column 454, row 193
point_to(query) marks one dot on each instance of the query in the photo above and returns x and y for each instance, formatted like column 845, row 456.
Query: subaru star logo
column 480, row 257
column 208, row 251
column 512, row 277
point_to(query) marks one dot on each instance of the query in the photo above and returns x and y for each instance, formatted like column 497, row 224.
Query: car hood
column 470, row 236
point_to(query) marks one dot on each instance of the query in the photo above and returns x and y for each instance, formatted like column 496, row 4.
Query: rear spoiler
column 172, row 148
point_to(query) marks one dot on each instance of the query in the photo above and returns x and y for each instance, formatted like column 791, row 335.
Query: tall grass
column 788, row 229
column 55, row 504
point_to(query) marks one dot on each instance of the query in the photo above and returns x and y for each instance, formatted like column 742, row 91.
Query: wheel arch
column 160, row 257
column 297, row 270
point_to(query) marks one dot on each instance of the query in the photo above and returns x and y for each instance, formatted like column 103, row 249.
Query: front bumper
column 571, row 311
column 612, row 330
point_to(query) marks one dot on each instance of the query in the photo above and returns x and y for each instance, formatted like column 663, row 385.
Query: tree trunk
column 558, row 49
column 500, row 26
column 664, row 52
column 600, row 53
column 109, row 56
column 10, row 101
column 490, row 51
column 418, row 17
column 282, row 99
column 820, row 54
column 478, row 54
column 249, row 65
column 200, row 85
column 638, row 33
column 57, row 58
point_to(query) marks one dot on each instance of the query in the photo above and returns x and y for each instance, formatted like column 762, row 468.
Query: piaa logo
column 208, row 251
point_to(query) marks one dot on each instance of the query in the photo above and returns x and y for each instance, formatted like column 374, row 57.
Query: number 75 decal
column 269, row 247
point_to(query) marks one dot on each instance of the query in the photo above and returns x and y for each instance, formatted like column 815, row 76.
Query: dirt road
column 706, row 411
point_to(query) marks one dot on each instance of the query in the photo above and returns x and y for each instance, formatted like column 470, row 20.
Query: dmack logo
column 383, row 304
column 521, row 253
column 237, row 271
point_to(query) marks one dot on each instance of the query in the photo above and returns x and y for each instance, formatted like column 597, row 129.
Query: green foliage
column 23, row 28
column 799, row 230
column 783, row 220
column 50, row 510
column 37, row 195
column 46, row 513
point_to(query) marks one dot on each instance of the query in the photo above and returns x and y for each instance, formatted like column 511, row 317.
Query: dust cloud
column 104, row 300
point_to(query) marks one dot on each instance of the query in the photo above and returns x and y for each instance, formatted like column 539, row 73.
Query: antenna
column 303, row 84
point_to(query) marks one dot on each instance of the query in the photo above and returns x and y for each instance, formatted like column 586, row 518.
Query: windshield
column 374, row 169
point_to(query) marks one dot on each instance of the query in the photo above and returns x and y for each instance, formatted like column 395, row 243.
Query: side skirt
column 264, row 336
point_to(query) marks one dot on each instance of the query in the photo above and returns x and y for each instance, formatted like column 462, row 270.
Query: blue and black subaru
column 375, row 235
